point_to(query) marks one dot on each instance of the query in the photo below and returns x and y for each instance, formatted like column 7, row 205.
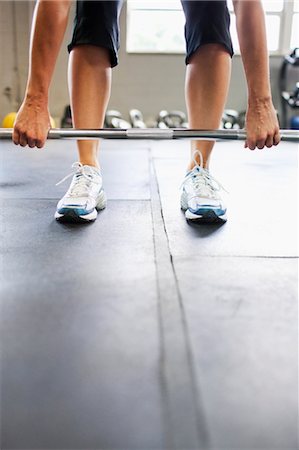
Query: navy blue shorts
column 97, row 23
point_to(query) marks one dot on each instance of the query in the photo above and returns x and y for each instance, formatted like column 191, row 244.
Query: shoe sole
column 208, row 217
column 72, row 217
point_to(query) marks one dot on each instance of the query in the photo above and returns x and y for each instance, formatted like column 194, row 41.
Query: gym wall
column 147, row 82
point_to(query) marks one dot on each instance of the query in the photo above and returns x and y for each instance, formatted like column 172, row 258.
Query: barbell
column 152, row 133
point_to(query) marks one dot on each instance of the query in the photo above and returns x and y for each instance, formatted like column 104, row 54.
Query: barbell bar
column 152, row 133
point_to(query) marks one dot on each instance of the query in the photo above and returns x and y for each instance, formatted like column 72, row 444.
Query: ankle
column 199, row 157
column 88, row 162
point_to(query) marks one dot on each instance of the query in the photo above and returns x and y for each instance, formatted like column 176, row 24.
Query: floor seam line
column 173, row 307
column 238, row 256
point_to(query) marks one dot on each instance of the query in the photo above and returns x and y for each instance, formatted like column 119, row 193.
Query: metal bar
column 152, row 133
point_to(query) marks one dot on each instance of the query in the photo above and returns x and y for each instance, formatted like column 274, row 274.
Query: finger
column 16, row 136
column 251, row 144
column 276, row 138
column 261, row 141
column 269, row 141
column 40, row 142
column 260, row 144
column 31, row 142
column 23, row 140
column 41, row 138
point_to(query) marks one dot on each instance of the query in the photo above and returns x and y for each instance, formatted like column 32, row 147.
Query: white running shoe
column 200, row 197
column 84, row 197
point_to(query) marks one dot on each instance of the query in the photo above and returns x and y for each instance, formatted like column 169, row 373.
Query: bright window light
column 155, row 4
column 233, row 33
column 295, row 31
column 156, row 31
column 272, row 28
column 273, row 6
column 269, row 6
column 156, row 26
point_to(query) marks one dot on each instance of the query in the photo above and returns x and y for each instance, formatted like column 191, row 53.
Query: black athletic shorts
column 97, row 23
column 207, row 22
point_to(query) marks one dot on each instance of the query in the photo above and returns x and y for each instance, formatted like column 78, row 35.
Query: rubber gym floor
column 141, row 331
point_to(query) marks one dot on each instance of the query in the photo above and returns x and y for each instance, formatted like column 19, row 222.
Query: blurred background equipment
column 114, row 119
column 172, row 119
column 9, row 120
column 230, row 119
column 289, row 94
column 136, row 118
column 52, row 122
column 66, row 121
column 294, row 123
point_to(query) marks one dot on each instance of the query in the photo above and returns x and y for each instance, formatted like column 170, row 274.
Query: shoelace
column 82, row 180
column 203, row 182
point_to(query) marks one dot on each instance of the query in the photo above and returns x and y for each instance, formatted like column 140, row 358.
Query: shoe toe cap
column 78, row 203
column 200, row 202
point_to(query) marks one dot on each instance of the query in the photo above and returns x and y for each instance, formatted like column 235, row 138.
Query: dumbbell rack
column 291, row 60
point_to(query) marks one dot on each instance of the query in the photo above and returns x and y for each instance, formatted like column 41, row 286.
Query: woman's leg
column 207, row 82
column 89, row 86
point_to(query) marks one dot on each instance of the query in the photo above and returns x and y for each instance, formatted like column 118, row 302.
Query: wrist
column 38, row 94
column 259, row 100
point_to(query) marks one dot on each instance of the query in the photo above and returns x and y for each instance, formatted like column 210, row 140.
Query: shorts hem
column 113, row 53
column 227, row 47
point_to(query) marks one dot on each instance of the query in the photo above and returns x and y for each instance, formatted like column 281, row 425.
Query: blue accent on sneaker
column 77, row 211
column 203, row 210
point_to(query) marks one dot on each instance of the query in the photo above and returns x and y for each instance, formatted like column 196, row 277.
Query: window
column 295, row 25
column 273, row 10
column 155, row 26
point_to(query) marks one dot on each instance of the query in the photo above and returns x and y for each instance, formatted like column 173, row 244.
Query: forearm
column 251, row 30
column 48, row 29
